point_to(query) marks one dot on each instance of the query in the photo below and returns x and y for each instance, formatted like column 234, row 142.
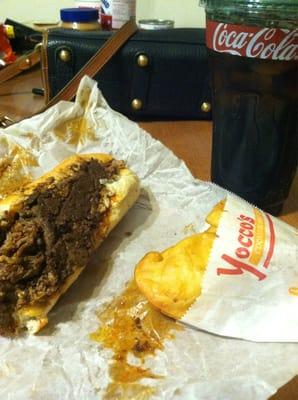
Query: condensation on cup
column 253, row 58
column 115, row 13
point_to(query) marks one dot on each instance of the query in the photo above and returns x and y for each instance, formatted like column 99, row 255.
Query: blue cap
column 79, row 14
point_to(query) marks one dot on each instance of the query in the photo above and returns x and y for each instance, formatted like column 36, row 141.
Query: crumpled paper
column 250, row 287
column 61, row 362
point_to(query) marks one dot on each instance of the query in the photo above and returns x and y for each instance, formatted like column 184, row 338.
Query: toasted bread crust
column 125, row 190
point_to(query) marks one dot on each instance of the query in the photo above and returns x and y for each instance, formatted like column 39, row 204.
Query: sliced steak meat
column 51, row 235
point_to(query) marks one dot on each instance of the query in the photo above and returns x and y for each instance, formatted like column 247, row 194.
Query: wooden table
column 189, row 140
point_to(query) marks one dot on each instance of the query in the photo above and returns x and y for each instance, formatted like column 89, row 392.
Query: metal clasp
column 5, row 121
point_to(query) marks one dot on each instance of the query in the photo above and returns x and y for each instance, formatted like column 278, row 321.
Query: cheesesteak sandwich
column 50, row 228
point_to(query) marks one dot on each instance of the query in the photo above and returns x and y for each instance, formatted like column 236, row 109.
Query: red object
column 6, row 52
column 252, row 41
column 115, row 13
column 106, row 22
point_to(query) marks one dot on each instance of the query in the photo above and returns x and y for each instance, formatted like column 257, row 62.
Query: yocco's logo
column 249, row 254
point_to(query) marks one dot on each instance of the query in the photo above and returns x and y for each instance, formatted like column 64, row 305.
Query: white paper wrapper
column 61, row 362
column 251, row 279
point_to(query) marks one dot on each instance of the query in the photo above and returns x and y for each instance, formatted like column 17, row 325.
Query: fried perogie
column 171, row 280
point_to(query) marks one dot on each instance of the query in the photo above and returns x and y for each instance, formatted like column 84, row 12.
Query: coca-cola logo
column 251, row 41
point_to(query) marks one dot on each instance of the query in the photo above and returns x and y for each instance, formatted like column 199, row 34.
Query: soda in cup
column 253, row 58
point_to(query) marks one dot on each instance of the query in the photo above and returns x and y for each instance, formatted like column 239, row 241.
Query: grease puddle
column 130, row 325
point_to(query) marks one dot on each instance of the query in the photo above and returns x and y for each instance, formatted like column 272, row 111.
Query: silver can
column 155, row 24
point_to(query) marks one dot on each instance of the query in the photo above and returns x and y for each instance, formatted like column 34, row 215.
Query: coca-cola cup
column 253, row 46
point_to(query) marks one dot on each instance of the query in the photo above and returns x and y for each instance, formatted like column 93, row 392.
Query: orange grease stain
column 293, row 291
column 76, row 131
column 131, row 325
column 13, row 174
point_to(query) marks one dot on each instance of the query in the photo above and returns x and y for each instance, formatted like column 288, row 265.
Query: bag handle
column 21, row 64
column 91, row 68
column 96, row 63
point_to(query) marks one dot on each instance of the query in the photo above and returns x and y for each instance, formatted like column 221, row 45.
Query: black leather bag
column 157, row 74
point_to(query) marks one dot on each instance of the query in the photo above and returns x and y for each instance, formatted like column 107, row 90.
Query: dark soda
column 253, row 55
column 255, row 134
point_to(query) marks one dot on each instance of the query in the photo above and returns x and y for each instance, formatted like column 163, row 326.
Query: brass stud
column 206, row 107
column 25, row 64
column 64, row 55
column 136, row 104
column 142, row 60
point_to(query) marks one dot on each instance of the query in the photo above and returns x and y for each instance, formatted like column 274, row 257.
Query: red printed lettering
column 245, row 241
column 252, row 41
column 242, row 252
column 246, row 232
column 246, row 225
column 238, row 268
column 245, row 218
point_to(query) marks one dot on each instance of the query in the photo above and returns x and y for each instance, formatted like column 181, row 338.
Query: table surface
column 189, row 140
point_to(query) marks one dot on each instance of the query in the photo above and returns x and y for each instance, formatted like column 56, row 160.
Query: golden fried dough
column 171, row 280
